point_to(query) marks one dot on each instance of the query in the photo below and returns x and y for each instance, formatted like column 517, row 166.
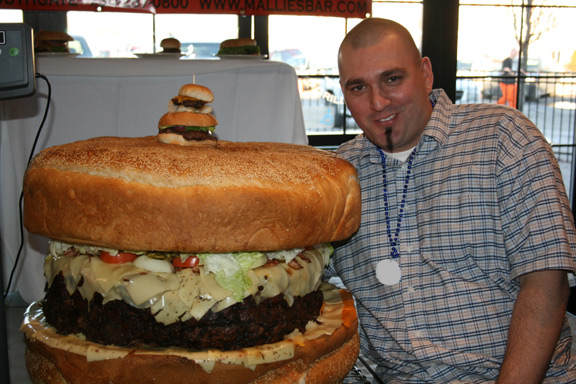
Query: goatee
column 389, row 144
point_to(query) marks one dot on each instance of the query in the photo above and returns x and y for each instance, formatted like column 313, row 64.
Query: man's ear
column 426, row 68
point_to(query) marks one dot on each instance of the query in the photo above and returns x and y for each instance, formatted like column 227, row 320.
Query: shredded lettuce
column 242, row 50
column 190, row 128
column 287, row 254
column 231, row 269
column 327, row 251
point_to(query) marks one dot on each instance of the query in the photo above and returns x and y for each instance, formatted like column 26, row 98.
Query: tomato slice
column 120, row 258
column 190, row 262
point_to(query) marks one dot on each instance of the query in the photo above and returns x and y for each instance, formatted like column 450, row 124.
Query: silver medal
column 388, row 272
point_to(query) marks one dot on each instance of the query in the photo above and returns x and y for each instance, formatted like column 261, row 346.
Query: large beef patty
column 241, row 325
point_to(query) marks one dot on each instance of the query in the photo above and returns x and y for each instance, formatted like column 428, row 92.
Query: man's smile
column 386, row 119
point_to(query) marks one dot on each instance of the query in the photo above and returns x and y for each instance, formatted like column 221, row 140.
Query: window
column 118, row 34
column 200, row 35
column 543, row 79
column 10, row 16
column 312, row 49
column 112, row 34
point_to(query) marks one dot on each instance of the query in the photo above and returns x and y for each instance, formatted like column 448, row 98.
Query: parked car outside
column 80, row 46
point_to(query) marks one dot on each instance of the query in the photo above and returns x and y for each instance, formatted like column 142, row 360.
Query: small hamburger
column 52, row 42
column 170, row 45
column 241, row 46
column 192, row 98
column 189, row 119
column 170, row 262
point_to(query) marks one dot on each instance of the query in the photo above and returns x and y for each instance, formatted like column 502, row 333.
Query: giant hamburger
column 176, row 264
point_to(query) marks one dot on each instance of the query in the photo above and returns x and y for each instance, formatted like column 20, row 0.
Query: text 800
column 169, row 3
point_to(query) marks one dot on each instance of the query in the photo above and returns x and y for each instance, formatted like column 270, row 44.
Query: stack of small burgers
column 189, row 119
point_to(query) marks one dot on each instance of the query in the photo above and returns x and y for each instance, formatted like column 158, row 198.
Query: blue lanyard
column 394, row 240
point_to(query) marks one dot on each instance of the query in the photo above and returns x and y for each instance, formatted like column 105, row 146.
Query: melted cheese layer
column 184, row 294
column 333, row 315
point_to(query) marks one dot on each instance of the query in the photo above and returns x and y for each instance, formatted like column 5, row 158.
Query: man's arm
column 535, row 326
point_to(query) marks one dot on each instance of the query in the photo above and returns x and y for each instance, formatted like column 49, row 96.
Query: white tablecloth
column 254, row 100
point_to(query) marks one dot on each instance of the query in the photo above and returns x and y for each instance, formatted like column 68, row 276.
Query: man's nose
column 378, row 100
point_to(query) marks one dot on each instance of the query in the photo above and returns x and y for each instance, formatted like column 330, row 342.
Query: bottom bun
column 177, row 139
column 324, row 354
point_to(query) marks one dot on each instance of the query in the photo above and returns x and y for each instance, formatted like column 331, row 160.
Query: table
column 254, row 100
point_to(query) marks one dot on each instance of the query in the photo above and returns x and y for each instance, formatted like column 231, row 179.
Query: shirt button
column 411, row 290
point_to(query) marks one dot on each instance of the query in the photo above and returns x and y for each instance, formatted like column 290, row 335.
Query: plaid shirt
column 485, row 204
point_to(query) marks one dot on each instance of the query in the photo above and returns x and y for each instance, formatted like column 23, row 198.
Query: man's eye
column 394, row 79
column 357, row 88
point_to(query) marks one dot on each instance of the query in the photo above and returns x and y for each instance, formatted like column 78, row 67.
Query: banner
column 337, row 8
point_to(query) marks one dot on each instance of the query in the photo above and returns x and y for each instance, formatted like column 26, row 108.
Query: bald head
column 374, row 30
column 386, row 84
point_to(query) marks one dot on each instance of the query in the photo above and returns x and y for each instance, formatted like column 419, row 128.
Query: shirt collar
column 438, row 127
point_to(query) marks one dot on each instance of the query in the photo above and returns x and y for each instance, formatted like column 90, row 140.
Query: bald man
column 460, row 266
